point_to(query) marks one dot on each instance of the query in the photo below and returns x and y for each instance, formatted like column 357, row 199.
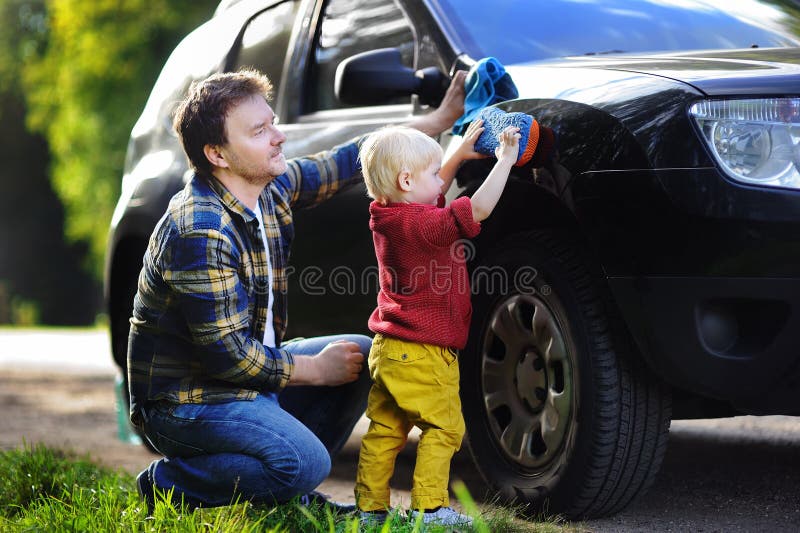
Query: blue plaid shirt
column 200, row 311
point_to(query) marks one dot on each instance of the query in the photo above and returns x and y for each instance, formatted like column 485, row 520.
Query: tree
column 86, row 90
column 79, row 74
column 31, row 216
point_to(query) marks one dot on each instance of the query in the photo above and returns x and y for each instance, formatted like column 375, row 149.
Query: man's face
column 254, row 148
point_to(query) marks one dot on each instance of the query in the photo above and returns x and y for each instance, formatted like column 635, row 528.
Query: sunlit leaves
column 85, row 90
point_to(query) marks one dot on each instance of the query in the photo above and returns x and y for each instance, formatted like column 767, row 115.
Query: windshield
column 516, row 31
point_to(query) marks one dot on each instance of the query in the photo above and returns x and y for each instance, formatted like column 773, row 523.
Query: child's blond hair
column 391, row 150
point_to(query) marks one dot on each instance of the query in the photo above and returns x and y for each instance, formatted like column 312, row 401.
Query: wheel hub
column 531, row 380
column 527, row 380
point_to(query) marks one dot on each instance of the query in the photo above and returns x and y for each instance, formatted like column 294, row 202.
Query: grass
column 43, row 489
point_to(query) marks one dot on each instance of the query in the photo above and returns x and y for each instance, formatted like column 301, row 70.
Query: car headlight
column 755, row 141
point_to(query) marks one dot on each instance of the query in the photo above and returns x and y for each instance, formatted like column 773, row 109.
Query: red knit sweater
column 424, row 284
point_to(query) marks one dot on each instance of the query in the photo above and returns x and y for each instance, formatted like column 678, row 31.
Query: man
column 236, row 412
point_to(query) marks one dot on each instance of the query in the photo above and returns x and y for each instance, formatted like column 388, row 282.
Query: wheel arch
column 599, row 177
column 526, row 208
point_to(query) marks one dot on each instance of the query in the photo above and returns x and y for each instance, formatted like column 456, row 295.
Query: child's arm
column 486, row 197
column 466, row 150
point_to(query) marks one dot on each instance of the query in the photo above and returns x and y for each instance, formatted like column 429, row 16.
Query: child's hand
column 508, row 149
column 466, row 149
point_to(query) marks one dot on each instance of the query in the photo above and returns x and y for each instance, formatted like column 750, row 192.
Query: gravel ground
column 732, row 475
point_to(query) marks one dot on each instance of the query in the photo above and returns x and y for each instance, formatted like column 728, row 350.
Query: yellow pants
column 414, row 385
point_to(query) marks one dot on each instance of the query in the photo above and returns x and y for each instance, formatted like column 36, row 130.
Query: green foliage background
column 87, row 89
column 74, row 76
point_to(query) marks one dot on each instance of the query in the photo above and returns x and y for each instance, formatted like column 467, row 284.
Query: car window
column 266, row 39
column 350, row 27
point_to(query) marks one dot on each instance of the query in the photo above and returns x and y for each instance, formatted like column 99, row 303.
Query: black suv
column 648, row 271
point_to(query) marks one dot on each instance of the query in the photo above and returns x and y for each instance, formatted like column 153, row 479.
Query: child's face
column 426, row 185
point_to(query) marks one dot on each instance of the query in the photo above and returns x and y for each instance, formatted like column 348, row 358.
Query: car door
column 333, row 276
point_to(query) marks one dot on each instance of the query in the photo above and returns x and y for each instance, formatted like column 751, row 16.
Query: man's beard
column 258, row 174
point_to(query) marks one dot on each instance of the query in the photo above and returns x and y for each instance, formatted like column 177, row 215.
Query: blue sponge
column 495, row 121
column 487, row 83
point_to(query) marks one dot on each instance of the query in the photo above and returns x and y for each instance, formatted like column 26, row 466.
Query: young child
column 423, row 311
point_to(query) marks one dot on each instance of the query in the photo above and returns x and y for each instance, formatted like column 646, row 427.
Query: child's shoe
column 444, row 516
column 376, row 518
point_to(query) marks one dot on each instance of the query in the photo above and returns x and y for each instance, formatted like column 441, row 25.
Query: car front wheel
column 561, row 414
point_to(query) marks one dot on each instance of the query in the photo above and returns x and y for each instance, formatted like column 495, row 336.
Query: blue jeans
column 268, row 450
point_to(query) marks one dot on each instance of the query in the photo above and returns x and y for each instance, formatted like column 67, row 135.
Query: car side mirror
column 378, row 76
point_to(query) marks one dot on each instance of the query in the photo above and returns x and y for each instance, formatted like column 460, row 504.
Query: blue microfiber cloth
column 487, row 83
column 495, row 121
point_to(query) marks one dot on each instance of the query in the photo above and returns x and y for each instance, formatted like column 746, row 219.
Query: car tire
column 562, row 415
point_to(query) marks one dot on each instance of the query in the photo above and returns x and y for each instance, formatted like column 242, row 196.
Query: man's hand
column 452, row 106
column 338, row 363
column 443, row 117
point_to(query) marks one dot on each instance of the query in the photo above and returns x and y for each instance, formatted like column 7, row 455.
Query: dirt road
column 734, row 475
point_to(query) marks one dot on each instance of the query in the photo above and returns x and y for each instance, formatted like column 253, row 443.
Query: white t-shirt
column 269, row 331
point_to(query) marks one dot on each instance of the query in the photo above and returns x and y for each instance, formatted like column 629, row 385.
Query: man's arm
column 201, row 267
column 215, row 306
column 338, row 363
column 443, row 117
column 311, row 180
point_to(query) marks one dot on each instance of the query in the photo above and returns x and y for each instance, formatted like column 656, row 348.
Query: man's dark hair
column 200, row 118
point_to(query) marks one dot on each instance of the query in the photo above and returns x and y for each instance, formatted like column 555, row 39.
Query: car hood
column 774, row 71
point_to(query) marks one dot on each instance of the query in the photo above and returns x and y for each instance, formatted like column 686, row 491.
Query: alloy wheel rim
column 527, row 380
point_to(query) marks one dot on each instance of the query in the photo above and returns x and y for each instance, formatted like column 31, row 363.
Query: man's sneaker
column 376, row 518
column 444, row 516
column 145, row 490
column 317, row 498
column 147, row 493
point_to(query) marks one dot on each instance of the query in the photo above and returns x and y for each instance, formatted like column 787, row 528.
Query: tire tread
column 632, row 409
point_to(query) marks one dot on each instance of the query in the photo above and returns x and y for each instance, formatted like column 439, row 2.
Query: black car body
column 648, row 271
